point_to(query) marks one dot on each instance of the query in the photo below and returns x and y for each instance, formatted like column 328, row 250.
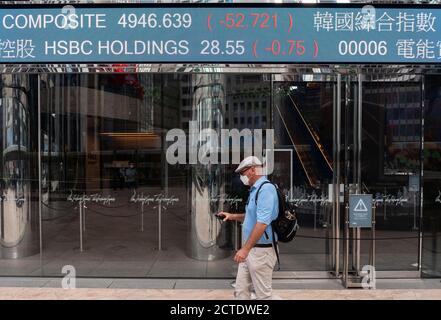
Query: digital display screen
column 219, row 34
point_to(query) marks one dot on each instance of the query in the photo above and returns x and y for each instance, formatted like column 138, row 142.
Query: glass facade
column 92, row 176
column 431, row 254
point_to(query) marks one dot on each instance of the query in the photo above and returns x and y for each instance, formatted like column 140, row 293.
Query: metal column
column 336, row 179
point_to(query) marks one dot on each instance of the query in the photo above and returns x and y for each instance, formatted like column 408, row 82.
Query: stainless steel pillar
column 19, row 223
column 207, row 236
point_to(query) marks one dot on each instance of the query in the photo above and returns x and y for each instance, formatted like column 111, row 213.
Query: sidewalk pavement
column 212, row 289
column 216, row 294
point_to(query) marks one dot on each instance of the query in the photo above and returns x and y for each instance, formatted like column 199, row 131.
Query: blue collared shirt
column 266, row 210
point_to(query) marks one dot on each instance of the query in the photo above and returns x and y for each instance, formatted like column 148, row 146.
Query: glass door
column 307, row 168
column 382, row 150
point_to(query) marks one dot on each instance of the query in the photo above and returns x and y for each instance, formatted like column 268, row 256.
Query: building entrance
column 87, row 178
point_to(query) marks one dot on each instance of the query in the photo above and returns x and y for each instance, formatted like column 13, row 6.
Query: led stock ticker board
column 220, row 34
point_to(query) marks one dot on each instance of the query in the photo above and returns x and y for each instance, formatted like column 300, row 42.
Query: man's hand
column 241, row 255
column 227, row 216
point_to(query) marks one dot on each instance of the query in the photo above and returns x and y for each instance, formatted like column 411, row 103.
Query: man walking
column 257, row 257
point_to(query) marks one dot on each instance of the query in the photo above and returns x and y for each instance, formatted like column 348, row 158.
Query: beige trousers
column 257, row 272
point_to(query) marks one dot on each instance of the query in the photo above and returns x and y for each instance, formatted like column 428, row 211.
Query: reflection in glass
column 391, row 148
column 304, row 149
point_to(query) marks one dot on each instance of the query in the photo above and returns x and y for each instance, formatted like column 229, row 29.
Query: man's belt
column 263, row 245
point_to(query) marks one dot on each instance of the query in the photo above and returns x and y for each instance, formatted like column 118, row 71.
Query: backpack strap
column 257, row 196
column 276, row 249
column 258, row 190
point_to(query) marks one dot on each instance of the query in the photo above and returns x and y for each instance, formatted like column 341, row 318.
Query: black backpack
column 286, row 224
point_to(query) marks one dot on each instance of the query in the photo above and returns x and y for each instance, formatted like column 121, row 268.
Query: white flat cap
column 248, row 162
